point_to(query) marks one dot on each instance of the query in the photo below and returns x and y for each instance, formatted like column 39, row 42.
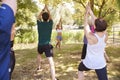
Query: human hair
column 100, row 24
column 45, row 16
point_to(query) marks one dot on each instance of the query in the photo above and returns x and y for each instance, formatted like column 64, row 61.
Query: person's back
column 44, row 30
column 95, row 54
column 7, row 12
column 94, row 59
column 45, row 24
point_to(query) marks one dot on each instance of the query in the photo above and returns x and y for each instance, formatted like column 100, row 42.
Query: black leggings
column 84, row 50
column 12, row 61
column 101, row 74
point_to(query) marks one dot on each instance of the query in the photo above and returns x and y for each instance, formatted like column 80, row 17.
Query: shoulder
column 6, row 15
column 5, row 8
column 39, row 21
column 12, row 4
column 92, row 39
column 50, row 21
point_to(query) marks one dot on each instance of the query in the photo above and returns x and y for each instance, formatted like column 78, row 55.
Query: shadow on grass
column 66, row 63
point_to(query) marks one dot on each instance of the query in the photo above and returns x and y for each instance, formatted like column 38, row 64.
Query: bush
column 31, row 36
column 26, row 36
column 68, row 36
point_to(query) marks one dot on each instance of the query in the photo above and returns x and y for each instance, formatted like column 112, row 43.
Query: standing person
column 7, row 13
column 90, row 21
column 95, row 48
column 12, row 53
column 59, row 34
column 45, row 24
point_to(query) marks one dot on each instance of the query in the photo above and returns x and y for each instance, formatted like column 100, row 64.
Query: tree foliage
column 118, row 3
column 28, row 9
column 25, row 12
column 102, row 8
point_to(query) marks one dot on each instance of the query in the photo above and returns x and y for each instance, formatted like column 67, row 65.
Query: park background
column 68, row 58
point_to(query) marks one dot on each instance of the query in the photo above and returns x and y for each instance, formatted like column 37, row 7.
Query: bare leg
column 80, row 75
column 39, row 61
column 52, row 67
column 59, row 44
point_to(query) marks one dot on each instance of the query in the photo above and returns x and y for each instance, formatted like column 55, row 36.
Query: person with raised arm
column 90, row 21
column 7, row 18
column 45, row 24
column 59, row 33
column 94, row 59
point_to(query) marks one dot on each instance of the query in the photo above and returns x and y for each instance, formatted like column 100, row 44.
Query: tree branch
column 80, row 1
column 101, row 7
column 108, row 11
column 92, row 4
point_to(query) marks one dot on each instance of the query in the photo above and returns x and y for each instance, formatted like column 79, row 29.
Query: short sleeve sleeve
column 6, row 17
column 51, row 22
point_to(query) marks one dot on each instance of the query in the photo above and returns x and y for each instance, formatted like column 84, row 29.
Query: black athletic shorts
column 84, row 50
column 48, row 49
column 82, row 67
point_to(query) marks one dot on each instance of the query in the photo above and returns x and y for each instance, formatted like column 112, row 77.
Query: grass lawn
column 66, row 63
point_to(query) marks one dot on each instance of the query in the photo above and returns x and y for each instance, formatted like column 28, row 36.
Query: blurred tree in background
column 71, row 11
column 25, row 13
column 25, row 21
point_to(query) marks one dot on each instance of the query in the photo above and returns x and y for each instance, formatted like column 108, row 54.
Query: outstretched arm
column 39, row 17
column 50, row 18
column 60, row 23
column 93, row 17
column 86, row 25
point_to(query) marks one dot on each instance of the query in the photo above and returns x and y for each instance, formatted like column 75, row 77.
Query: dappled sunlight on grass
column 115, row 59
column 66, row 63
column 24, row 46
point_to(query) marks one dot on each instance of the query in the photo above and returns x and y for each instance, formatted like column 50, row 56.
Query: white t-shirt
column 95, row 54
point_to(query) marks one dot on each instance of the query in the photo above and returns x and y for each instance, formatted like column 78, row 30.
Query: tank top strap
column 100, row 38
column 96, row 35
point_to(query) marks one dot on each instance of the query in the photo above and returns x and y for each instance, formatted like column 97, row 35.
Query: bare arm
column 90, row 37
column 93, row 17
column 60, row 23
column 50, row 18
column 13, row 31
column 86, row 26
column 39, row 17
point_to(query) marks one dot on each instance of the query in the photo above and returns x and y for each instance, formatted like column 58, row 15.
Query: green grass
column 66, row 63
